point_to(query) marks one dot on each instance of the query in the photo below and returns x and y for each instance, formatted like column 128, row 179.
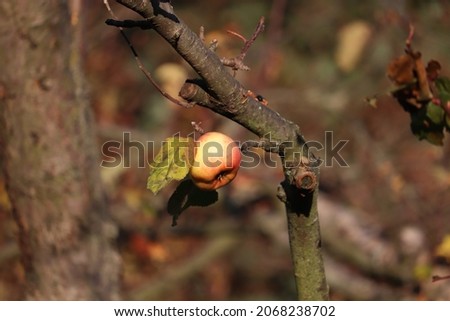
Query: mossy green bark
column 50, row 159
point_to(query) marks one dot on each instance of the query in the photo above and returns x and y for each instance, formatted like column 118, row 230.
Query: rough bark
column 50, row 156
column 219, row 91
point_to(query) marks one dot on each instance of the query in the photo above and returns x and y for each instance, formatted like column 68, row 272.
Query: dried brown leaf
column 401, row 70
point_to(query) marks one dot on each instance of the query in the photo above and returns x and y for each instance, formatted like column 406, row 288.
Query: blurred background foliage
column 315, row 64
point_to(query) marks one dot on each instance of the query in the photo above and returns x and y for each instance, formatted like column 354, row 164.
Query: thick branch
column 254, row 116
column 221, row 92
column 219, row 83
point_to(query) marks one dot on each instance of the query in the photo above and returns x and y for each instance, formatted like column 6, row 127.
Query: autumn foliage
column 422, row 92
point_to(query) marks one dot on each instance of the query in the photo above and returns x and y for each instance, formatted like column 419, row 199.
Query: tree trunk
column 49, row 155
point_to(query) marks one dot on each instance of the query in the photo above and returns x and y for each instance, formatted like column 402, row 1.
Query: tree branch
column 219, row 91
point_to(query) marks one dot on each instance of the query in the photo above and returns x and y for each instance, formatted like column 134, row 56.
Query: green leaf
column 173, row 162
column 443, row 88
column 435, row 113
column 443, row 85
column 423, row 124
column 187, row 194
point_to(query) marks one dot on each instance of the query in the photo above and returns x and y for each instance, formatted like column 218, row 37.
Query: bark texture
column 49, row 155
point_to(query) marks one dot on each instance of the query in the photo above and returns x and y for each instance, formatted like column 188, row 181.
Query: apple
column 217, row 160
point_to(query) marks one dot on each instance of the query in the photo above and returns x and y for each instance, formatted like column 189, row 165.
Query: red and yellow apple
column 217, row 160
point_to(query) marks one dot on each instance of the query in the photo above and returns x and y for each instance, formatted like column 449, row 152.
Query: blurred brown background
column 384, row 217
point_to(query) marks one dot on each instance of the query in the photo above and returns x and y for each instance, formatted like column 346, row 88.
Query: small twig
column 234, row 33
column 234, row 64
column 437, row 278
column 410, row 36
column 213, row 44
column 422, row 78
column 143, row 24
column 237, row 63
column 108, row 7
column 201, row 34
column 248, row 43
column 197, row 127
column 408, row 44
